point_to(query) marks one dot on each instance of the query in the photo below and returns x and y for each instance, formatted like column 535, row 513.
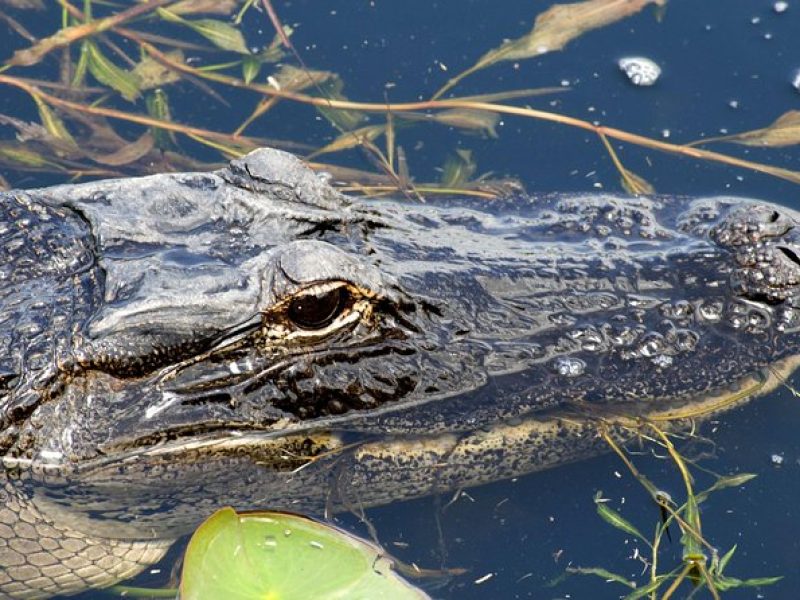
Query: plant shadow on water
column 515, row 538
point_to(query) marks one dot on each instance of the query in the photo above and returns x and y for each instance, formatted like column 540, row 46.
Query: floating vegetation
column 701, row 565
column 785, row 131
column 259, row 555
column 107, row 110
column 554, row 29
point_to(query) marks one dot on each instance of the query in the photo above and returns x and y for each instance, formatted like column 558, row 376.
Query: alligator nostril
column 774, row 216
column 790, row 254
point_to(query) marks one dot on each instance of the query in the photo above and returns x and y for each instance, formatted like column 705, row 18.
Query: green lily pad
column 280, row 556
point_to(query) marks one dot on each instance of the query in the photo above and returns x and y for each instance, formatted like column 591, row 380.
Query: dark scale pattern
column 48, row 287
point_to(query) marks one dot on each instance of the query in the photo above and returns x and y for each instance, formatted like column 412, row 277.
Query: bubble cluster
column 640, row 71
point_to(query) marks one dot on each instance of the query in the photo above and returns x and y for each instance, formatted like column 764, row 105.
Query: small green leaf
column 222, row 35
column 612, row 517
column 108, row 73
column 82, row 65
column 25, row 157
column 151, row 73
column 158, row 107
column 722, row 483
column 458, row 169
column 723, row 562
column 251, row 65
column 785, row 131
column 468, row 119
column 52, row 123
column 352, row 139
column 344, row 120
column 729, row 583
column 602, row 573
column 643, row 591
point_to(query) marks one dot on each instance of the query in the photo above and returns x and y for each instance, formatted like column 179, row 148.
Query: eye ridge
column 317, row 311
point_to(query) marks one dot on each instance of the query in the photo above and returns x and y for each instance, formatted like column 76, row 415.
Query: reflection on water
column 725, row 67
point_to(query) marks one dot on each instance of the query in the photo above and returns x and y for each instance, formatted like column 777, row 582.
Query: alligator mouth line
column 296, row 446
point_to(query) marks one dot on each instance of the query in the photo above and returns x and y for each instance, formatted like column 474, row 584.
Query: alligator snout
column 765, row 242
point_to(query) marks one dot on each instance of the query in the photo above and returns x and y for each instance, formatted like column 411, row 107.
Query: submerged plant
column 100, row 91
column 701, row 566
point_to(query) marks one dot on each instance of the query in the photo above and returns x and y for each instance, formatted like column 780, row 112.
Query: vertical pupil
column 316, row 312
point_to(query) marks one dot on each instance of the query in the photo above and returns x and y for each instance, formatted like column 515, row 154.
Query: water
column 726, row 67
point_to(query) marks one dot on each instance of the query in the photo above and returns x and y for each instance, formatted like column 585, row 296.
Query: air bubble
column 640, row 71
column 569, row 367
column 710, row 311
column 270, row 543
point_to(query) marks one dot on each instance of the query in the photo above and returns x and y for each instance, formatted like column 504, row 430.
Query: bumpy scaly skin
column 41, row 558
column 151, row 369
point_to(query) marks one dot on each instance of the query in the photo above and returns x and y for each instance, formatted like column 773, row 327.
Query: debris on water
column 777, row 459
column 640, row 71
column 796, row 80
column 780, row 7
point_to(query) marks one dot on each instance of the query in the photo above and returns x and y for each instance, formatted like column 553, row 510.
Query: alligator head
column 253, row 337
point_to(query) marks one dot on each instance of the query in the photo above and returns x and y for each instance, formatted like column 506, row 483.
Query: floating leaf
column 723, row 562
column 613, row 518
column 692, row 544
column 294, row 79
column 725, row 482
column 352, row 139
column 277, row 555
column 785, row 131
column 151, row 73
column 513, row 94
column 218, row 7
column 158, row 108
column 562, row 23
column 52, row 122
column 129, row 153
column 554, row 29
column 79, row 76
column 32, row 55
column 290, row 79
column 645, row 590
column 345, row 120
column 635, row 184
column 469, row 119
column 23, row 156
column 275, row 52
column 724, row 584
column 458, row 169
column 108, row 73
column 222, row 35
column 631, row 182
column 602, row 573
column 250, row 68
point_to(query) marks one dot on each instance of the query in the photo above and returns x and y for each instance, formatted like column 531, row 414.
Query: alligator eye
column 317, row 311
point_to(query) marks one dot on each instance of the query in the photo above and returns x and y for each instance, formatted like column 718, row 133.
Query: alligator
column 252, row 337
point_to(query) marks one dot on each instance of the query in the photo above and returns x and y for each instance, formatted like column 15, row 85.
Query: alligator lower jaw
column 335, row 472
